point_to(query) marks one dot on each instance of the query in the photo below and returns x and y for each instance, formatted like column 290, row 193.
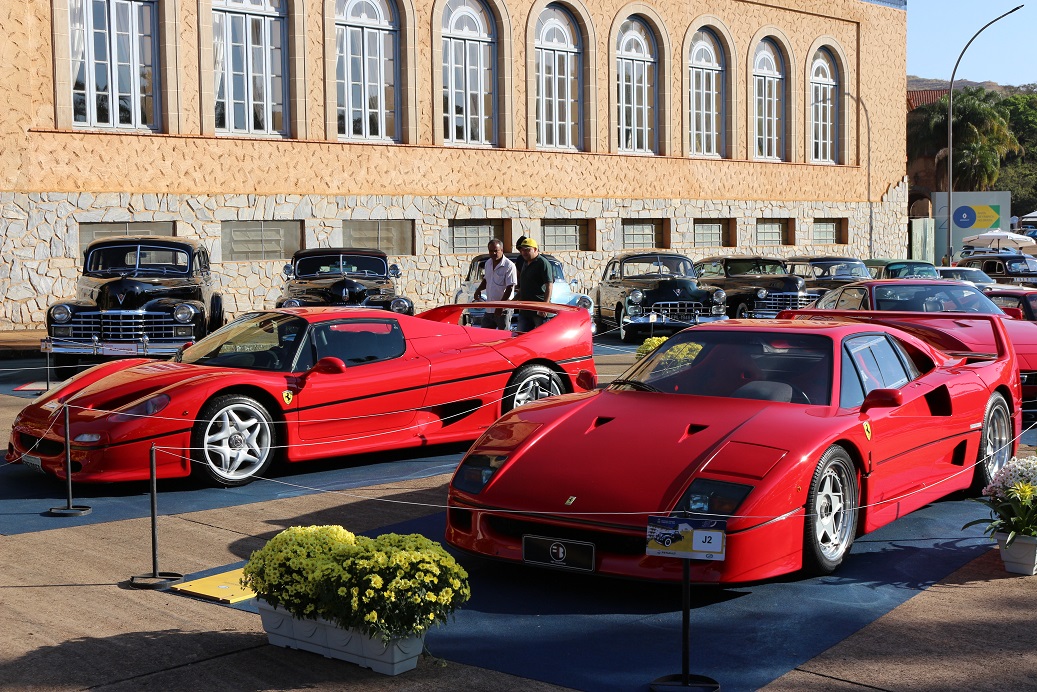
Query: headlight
column 1028, row 377
column 712, row 497
column 490, row 452
column 476, row 471
column 183, row 313
column 91, row 438
column 636, row 296
column 761, row 293
column 719, row 297
column 400, row 305
column 148, row 407
column 61, row 313
column 584, row 302
column 291, row 303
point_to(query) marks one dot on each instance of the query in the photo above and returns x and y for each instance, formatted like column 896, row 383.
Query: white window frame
column 558, row 84
column 706, row 95
column 708, row 232
column 772, row 232
column 824, row 108
column 260, row 240
column 367, row 58
column 470, row 236
column 635, row 236
column 264, row 61
column 122, row 28
column 636, row 88
column 825, row 232
column 768, row 102
column 469, row 73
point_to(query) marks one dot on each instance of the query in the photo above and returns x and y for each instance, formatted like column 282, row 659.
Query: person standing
column 499, row 282
column 535, row 283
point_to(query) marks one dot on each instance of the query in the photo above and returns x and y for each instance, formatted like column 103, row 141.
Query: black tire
column 995, row 443
column 216, row 318
column 742, row 311
column 234, row 440
column 831, row 521
column 531, row 383
column 63, row 366
column 667, row 541
column 626, row 334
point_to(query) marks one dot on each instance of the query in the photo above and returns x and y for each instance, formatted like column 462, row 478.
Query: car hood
column 130, row 293
column 772, row 282
column 670, row 288
column 124, row 386
column 621, row 453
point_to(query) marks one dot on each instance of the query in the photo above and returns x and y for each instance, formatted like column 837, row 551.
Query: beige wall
column 41, row 153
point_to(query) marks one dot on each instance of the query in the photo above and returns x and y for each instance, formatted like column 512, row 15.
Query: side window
column 1006, row 301
column 852, row 299
column 476, row 271
column 359, row 342
column 610, row 271
column 851, row 393
column 878, row 364
column 713, row 270
column 829, row 300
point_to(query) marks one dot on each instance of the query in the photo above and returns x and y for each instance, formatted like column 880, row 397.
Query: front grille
column 40, row 447
column 680, row 310
column 123, row 325
column 609, row 542
column 785, row 301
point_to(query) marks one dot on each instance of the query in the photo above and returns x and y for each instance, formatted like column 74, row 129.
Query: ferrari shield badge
column 287, row 396
column 867, row 429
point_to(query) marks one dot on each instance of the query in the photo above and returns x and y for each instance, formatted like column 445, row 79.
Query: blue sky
column 937, row 31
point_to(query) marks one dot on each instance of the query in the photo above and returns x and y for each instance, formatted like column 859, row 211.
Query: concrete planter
column 1021, row 556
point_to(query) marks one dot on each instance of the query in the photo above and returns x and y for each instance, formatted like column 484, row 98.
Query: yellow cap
column 528, row 242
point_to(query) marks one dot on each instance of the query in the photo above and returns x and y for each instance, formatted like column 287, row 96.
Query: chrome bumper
column 656, row 320
column 119, row 349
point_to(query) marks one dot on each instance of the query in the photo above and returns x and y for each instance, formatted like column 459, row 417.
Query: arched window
column 469, row 72
column 366, row 69
column 706, row 95
column 635, row 83
column 824, row 108
column 114, row 58
column 769, row 101
column 558, row 67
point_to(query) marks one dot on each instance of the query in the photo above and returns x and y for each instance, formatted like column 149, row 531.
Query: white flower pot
column 1021, row 556
column 328, row 639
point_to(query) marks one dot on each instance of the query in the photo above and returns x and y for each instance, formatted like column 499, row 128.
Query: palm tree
column 982, row 138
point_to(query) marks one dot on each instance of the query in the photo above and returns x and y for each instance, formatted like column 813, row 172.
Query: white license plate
column 32, row 462
column 119, row 349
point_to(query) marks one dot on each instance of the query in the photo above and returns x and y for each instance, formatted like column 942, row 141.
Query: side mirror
column 1014, row 313
column 179, row 357
column 585, row 379
column 287, row 271
column 882, row 398
column 394, row 271
column 330, row 365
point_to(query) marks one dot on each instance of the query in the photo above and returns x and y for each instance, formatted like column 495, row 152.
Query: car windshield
column 257, row 341
column 755, row 266
column 558, row 271
column 842, row 269
column 737, row 364
column 911, row 270
column 966, row 274
column 1021, row 264
column 658, row 265
column 943, row 298
column 336, row 264
column 138, row 260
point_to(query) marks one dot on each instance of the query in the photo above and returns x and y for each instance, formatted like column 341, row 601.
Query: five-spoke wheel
column 995, row 447
column 531, row 383
column 233, row 439
column 831, row 521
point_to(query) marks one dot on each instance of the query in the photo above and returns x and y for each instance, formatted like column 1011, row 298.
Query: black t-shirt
column 534, row 279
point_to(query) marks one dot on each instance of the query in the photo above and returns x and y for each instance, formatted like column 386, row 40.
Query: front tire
column 831, row 521
column 626, row 334
column 995, row 444
column 234, row 440
column 742, row 311
column 530, row 383
column 64, row 366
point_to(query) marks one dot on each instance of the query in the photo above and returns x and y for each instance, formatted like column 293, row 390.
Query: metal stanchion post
column 155, row 580
column 69, row 510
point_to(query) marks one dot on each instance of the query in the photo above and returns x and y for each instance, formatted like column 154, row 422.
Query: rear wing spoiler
column 944, row 335
column 451, row 314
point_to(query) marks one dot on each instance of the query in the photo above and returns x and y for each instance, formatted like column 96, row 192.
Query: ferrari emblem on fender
column 572, row 499
column 867, row 429
column 287, row 396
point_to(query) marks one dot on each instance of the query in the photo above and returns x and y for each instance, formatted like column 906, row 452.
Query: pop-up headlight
column 711, row 497
column 490, row 453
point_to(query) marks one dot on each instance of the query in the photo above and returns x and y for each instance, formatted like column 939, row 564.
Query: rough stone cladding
column 53, row 178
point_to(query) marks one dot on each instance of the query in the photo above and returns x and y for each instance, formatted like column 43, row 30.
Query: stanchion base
column 69, row 511
column 156, row 581
column 699, row 683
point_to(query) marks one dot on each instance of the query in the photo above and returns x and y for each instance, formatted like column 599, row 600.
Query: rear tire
column 995, row 444
column 831, row 522
column 531, row 383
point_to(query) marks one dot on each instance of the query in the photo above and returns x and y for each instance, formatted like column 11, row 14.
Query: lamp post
column 950, row 136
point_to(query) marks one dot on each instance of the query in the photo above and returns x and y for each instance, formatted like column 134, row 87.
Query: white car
column 562, row 293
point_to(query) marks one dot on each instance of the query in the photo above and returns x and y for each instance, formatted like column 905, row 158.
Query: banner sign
column 691, row 539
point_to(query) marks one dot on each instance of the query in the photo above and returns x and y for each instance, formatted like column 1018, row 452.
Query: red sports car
column 301, row 383
column 801, row 435
column 929, row 296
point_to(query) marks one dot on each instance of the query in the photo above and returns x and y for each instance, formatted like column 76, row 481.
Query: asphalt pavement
column 919, row 605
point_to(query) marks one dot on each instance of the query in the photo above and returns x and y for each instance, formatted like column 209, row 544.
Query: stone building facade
column 184, row 167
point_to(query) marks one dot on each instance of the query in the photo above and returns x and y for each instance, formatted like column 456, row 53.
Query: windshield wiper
column 636, row 384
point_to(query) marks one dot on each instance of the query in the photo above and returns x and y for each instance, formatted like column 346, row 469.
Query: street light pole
column 950, row 136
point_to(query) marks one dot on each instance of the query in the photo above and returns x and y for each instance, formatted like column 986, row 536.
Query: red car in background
column 301, row 383
column 930, row 296
column 1021, row 298
column 801, row 435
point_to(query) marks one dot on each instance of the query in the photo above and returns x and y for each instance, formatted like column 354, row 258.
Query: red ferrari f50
column 301, row 383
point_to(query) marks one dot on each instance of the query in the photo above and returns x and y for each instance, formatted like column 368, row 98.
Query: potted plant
column 1012, row 500
column 365, row 600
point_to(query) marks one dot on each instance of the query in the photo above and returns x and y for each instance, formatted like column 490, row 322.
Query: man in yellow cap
column 535, row 283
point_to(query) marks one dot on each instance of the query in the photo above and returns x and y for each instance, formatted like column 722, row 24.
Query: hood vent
column 692, row 429
column 600, row 421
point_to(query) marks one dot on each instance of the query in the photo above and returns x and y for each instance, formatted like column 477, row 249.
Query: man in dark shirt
column 535, row 283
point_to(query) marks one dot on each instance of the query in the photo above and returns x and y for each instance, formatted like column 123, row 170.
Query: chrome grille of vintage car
column 123, row 325
column 680, row 310
column 785, row 301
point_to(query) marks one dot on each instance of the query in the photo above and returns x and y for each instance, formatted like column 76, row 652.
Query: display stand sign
column 686, row 539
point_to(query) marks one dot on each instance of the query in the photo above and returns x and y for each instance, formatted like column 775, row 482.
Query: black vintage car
column 825, row 273
column 1005, row 268
column 646, row 293
column 756, row 286
column 343, row 276
column 138, row 296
